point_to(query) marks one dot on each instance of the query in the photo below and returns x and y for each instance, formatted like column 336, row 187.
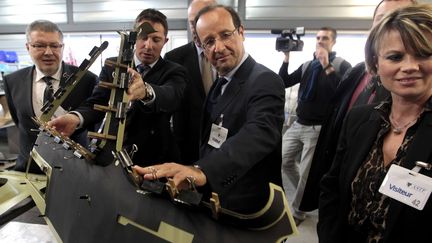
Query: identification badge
column 407, row 186
column 218, row 136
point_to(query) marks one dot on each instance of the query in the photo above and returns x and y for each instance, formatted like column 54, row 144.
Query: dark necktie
column 49, row 89
column 215, row 94
column 143, row 69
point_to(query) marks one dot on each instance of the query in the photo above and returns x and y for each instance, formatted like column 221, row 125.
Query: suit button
column 152, row 132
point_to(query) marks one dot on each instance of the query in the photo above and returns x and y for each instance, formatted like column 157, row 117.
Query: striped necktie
column 49, row 89
column 143, row 69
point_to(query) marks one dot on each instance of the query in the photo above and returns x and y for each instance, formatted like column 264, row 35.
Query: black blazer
column 404, row 223
column 18, row 87
column 329, row 134
column 253, row 112
column 148, row 126
column 186, row 121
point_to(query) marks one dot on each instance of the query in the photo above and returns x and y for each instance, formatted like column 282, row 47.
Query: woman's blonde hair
column 414, row 24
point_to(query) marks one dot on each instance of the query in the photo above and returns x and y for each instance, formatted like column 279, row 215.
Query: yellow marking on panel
column 165, row 231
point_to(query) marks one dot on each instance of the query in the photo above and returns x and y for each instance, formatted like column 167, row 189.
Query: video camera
column 286, row 41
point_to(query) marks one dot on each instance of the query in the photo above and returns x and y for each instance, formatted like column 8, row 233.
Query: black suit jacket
column 186, row 121
column 404, row 223
column 253, row 112
column 18, row 87
column 148, row 126
column 329, row 134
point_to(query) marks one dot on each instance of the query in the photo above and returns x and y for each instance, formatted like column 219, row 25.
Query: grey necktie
column 49, row 89
column 206, row 73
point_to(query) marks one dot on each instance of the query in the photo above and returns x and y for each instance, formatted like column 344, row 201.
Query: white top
column 38, row 91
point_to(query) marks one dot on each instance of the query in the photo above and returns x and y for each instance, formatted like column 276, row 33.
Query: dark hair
column 152, row 15
column 332, row 30
column 43, row 25
column 379, row 4
column 234, row 16
column 414, row 24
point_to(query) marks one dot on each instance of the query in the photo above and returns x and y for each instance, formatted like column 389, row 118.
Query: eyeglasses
column 43, row 47
column 225, row 37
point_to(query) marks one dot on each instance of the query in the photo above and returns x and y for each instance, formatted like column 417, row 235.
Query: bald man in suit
column 187, row 119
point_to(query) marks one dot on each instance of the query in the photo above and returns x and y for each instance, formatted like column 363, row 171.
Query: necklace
column 396, row 128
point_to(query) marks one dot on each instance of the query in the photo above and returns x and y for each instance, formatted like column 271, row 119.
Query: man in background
column 187, row 119
column 318, row 81
column 27, row 89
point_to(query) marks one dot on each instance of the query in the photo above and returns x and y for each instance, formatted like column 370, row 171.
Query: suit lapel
column 196, row 73
column 231, row 91
column 152, row 76
column 364, row 138
column 28, row 94
column 66, row 73
column 233, row 88
column 419, row 150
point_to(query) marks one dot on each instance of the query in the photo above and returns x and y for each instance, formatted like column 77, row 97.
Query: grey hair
column 43, row 25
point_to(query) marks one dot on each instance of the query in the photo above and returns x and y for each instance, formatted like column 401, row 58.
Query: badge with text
column 407, row 186
column 218, row 135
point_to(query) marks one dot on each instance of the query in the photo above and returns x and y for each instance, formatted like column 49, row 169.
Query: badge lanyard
column 218, row 134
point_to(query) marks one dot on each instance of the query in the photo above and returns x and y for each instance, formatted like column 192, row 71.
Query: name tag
column 407, row 186
column 218, row 136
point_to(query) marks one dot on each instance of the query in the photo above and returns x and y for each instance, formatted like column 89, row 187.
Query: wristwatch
column 149, row 93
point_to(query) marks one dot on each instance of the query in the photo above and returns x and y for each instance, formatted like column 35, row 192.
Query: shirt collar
column 230, row 75
column 138, row 62
column 199, row 49
column 40, row 74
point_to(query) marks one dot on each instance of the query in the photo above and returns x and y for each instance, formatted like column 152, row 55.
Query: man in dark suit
column 186, row 120
column 25, row 88
column 356, row 88
column 156, row 94
column 240, row 146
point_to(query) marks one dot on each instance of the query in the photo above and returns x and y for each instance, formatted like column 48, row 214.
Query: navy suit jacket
column 148, row 126
column 253, row 112
column 359, row 131
column 186, row 121
column 18, row 87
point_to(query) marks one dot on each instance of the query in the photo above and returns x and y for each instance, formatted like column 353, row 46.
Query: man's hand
column 65, row 124
column 322, row 55
column 179, row 174
column 137, row 89
column 286, row 56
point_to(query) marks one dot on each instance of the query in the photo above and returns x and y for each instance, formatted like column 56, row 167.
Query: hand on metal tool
column 179, row 173
column 137, row 89
column 65, row 124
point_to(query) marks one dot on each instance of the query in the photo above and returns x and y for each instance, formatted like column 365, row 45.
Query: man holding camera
column 318, row 80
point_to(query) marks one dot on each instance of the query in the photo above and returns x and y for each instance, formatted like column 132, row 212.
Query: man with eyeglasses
column 240, row 146
column 27, row 88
